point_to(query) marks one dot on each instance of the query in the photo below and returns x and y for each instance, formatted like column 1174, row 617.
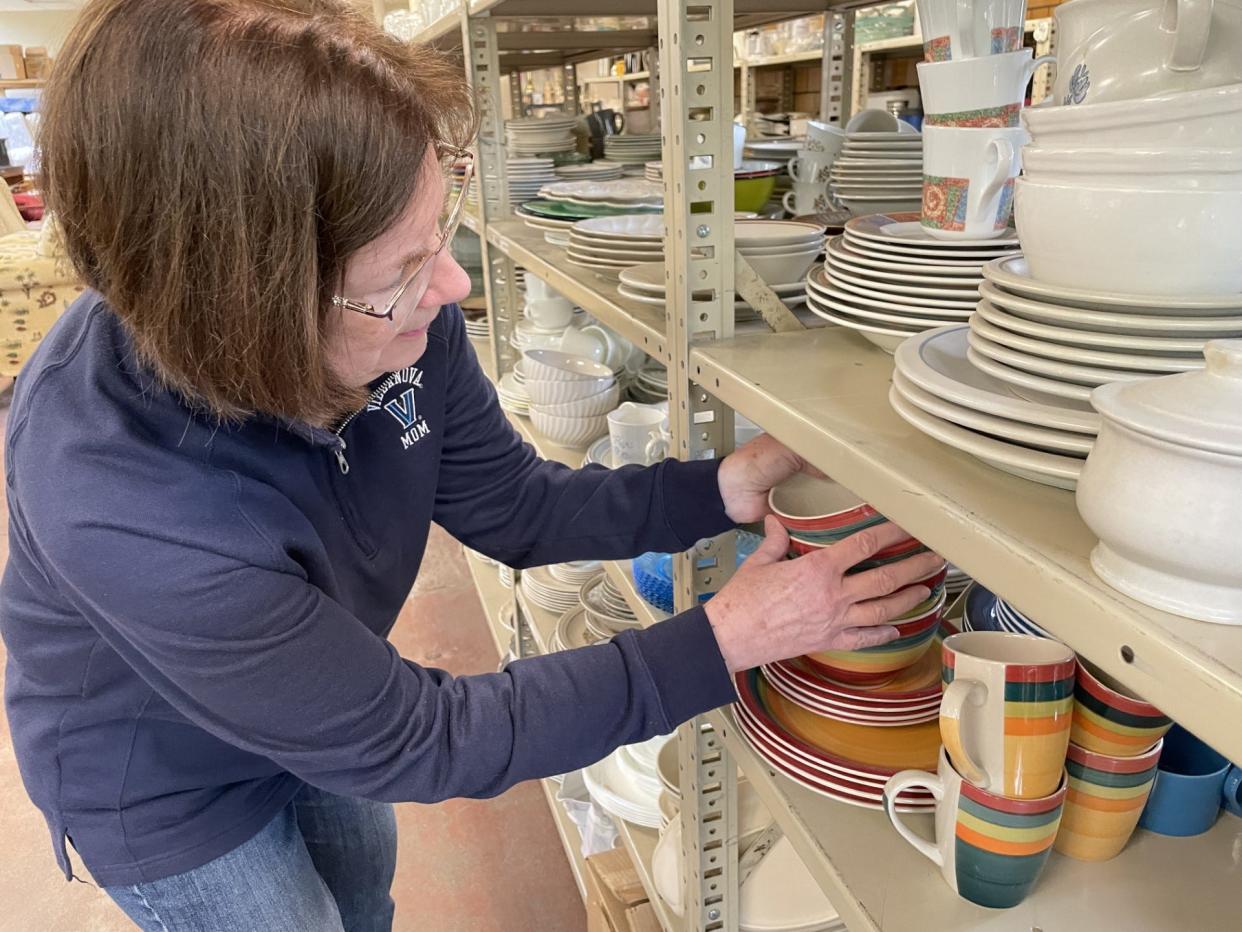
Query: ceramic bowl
column 1165, row 167
column 1109, row 719
column 782, row 269
column 874, row 665
column 576, row 433
column 543, row 392
column 590, row 406
column 1211, row 117
column 753, row 193
column 804, row 503
column 554, row 366
column 1175, row 241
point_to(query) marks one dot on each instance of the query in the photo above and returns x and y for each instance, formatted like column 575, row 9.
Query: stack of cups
column 1001, row 786
column 973, row 82
column 809, row 169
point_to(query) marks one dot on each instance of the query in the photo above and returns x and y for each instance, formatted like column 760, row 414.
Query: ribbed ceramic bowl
column 554, row 366
column 875, row 665
column 545, row 392
column 577, row 433
column 591, row 406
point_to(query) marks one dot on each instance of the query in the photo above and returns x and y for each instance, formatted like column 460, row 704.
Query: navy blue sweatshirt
column 196, row 616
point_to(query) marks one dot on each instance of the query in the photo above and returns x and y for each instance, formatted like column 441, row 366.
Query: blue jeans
column 324, row 864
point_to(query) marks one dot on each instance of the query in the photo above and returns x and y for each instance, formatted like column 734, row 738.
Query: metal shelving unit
column 824, row 393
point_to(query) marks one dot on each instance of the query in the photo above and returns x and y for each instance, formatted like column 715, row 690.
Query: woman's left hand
column 748, row 473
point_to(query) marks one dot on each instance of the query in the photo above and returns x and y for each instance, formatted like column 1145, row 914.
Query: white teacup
column 954, row 30
column 978, row 92
column 805, row 198
column 1112, row 50
column 550, row 313
column 638, row 435
column 968, row 177
column 810, row 167
column 827, row 138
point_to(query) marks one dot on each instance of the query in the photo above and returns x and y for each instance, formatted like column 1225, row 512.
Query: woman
column 224, row 460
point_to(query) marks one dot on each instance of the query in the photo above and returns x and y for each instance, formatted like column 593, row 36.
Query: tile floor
column 463, row 865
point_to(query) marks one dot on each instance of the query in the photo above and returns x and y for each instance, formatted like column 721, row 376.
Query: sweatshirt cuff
column 692, row 503
column 686, row 665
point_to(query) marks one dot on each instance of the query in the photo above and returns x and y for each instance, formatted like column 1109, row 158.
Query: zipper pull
column 340, row 458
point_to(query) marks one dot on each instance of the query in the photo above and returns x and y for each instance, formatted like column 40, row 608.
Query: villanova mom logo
column 403, row 408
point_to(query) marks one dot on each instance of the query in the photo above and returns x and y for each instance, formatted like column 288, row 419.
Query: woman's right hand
column 773, row 608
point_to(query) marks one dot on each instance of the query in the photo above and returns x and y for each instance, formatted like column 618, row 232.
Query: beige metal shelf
column 641, row 324
column 878, row 881
column 792, row 58
column 470, row 220
column 825, row 394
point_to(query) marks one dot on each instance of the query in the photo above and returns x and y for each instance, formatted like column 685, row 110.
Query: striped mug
column 1106, row 797
column 1007, row 709
column 990, row 849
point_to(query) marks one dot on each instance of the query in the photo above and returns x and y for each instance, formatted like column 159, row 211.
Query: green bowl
column 752, row 193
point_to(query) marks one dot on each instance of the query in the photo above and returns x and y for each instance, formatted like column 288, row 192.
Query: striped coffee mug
column 1007, row 709
column 1106, row 797
column 990, row 849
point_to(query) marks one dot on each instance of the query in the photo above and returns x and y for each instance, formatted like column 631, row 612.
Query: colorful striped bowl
column 806, row 504
column 1106, row 798
column 875, row 665
column 1111, row 720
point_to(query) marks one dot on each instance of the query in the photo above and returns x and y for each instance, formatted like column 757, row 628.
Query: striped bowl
column 1111, row 720
column 876, row 665
column 1106, row 798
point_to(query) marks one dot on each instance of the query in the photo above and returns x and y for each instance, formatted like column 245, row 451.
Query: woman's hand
column 774, row 609
column 751, row 471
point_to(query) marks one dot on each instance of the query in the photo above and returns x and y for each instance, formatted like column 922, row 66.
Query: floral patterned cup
column 968, row 177
column 978, row 92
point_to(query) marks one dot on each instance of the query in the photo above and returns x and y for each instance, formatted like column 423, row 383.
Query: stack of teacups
column 810, row 166
column 1001, row 785
column 570, row 396
column 973, row 83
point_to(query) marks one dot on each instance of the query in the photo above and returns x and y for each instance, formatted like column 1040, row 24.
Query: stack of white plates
column 543, row 589
column 577, row 573
column 654, row 171
column 538, row 135
column 478, row 327
column 1038, row 436
column 1065, row 341
column 650, row 384
column 526, row 176
column 879, row 172
column 623, row 192
column 887, row 278
column 625, row 784
column 607, row 612
column 589, row 171
column 609, row 244
column 781, row 149
column 555, row 231
column 571, row 631
column 512, row 394
column 633, row 151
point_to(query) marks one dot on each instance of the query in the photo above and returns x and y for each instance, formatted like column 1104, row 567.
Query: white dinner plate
column 1046, row 468
column 1111, row 342
column 1013, row 274
column 1144, row 365
column 1113, row 320
column 952, row 264
column 886, row 292
column 886, row 338
column 840, row 303
column 819, row 281
column 625, row 226
column 972, row 257
column 1050, row 368
column 1024, row 382
column 905, row 229
column 857, row 254
column 842, row 261
column 1062, row 443
column 630, row 256
column 899, row 165
column 937, row 362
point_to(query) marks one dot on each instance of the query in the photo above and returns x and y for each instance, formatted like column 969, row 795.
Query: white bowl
column 577, row 433
column 790, row 267
column 1166, row 166
column 549, row 392
column 590, row 406
column 1131, row 239
column 554, row 366
column 1211, row 117
column 815, row 245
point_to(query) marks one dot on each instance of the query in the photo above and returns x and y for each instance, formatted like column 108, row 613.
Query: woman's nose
column 450, row 283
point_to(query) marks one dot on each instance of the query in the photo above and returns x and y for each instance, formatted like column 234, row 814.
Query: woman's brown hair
column 215, row 162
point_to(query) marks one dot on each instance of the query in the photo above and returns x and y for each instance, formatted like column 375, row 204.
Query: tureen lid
column 1200, row 409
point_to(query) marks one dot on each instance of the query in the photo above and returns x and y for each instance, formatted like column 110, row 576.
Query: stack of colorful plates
column 547, row 591
column 526, row 176
column 625, row 784
column 879, row 172
column 589, row 171
column 1065, row 341
column 841, row 760
column 633, row 151
column 538, row 135
column 910, row 698
column 887, row 279
column 938, row 389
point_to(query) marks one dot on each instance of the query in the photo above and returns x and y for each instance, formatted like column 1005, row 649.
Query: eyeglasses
column 460, row 162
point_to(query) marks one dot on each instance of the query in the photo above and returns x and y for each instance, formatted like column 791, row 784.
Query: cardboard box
column 613, row 888
column 37, row 62
column 12, row 64
column 642, row 918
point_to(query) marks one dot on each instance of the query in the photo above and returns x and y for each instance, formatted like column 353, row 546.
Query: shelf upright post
column 697, row 138
column 837, row 77
column 748, row 93
column 1044, row 33
column 499, row 274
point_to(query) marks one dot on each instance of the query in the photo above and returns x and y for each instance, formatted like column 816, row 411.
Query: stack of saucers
column 572, row 632
column 650, row 384
column 545, row 590
column 879, row 172
column 633, row 151
column 570, row 396
column 1065, row 341
column 623, row 192
column 478, row 327
column 536, row 136
column 887, row 278
column 589, row 171
column 607, row 612
column 654, row 171
column 986, row 612
column 615, row 243
column 526, row 176
column 511, row 390
column 577, row 573
column 938, row 389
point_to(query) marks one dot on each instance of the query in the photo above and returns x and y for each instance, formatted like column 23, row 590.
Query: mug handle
column 1005, row 153
column 657, row 447
column 785, row 202
column 1190, row 22
column 789, row 167
column 618, row 121
column 904, row 780
column 1232, row 793
column 1051, row 61
column 958, row 693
